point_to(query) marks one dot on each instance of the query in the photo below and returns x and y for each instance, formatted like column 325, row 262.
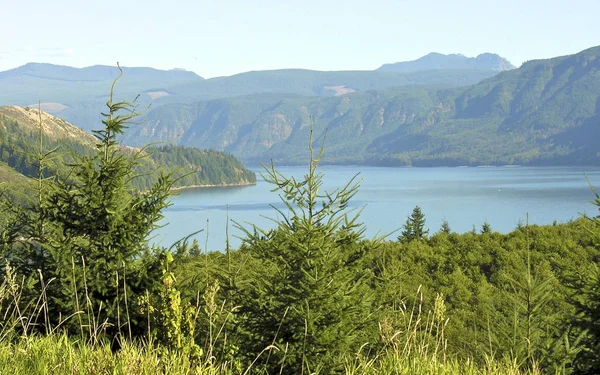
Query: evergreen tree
column 586, row 298
column 587, row 321
column 414, row 228
column 486, row 227
column 445, row 228
column 307, row 298
column 95, row 228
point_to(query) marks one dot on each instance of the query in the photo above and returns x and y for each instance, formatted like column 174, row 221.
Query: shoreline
column 178, row 188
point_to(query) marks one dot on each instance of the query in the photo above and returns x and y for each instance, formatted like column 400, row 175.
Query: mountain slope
column 20, row 139
column 53, row 127
column 433, row 61
column 78, row 95
column 14, row 185
column 260, row 127
column 546, row 112
column 317, row 83
column 70, row 87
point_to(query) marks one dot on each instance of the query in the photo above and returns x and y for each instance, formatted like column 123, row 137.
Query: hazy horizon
column 229, row 37
column 186, row 70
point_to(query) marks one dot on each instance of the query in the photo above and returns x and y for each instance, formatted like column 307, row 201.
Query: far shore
column 211, row 186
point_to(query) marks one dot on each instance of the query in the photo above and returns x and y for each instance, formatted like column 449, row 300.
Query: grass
column 418, row 347
column 59, row 354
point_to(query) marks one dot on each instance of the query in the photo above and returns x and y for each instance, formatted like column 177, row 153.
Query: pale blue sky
column 224, row 37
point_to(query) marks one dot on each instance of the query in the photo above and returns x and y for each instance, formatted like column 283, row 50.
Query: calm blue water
column 463, row 196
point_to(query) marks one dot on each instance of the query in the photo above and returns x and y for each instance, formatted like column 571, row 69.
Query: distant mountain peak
column 436, row 60
column 94, row 73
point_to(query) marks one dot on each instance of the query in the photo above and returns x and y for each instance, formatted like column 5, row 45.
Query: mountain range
column 433, row 61
column 545, row 112
column 78, row 94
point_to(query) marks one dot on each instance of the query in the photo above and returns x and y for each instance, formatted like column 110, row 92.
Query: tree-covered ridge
column 260, row 127
column 76, row 94
column 196, row 167
column 20, row 141
column 545, row 112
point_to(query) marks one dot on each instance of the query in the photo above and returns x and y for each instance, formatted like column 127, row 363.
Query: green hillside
column 317, row 83
column 76, row 95
column 14, row 185
column 546, row 112
column 19, row 147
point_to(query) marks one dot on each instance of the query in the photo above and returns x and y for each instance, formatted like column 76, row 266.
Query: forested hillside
column 20, row 141
column 546, row 112
column 76, row 94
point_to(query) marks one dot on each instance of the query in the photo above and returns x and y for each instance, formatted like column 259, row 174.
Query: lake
column 463, row 196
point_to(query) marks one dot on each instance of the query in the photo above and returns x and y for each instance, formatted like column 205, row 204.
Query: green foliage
column 307, row 300
column 586, row 299
column 445, row 228
column 19, row 146
column 587, row 321
column 89, row 231
column 20, row 137
column 495, row 307
column 529, row 331
column 414, row 228
column 195, row 167
column 172, row 319
column 63, row 355
column 99, row 226
column 486, row 227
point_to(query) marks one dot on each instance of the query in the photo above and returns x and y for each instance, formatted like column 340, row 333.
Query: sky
column 225, row 37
